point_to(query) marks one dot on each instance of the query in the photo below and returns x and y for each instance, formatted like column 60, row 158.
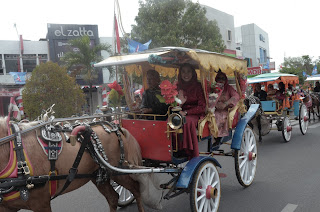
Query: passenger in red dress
column 193, row 107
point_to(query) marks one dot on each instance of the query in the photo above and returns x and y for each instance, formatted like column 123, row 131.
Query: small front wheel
column 245, row 159
column 205, row 188
column 303, row 119
column 286, row 129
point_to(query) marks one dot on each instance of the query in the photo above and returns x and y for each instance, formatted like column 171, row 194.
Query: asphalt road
column 287, row 180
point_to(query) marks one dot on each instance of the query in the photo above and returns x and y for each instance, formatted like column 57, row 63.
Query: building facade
column 17, row 61
column 254, row 44
column 226, row 25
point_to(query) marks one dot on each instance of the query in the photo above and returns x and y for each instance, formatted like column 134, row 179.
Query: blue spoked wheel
column 246, row 158
column 205, row 189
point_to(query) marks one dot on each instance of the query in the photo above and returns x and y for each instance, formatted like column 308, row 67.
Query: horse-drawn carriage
column 315, row 97
column 281, row 110
column 114, row 151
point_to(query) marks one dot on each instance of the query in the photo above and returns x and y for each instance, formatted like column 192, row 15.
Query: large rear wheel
column 286, row 129
column 303, row 119
column 205, row 188
column 246, row 158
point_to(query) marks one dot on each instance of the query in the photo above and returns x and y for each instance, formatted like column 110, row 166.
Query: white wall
column 249, row 36
column 225, row 23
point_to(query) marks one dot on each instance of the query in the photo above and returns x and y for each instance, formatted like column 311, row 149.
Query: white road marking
column 289, row 208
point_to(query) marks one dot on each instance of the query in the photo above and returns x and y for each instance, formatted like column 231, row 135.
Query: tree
column 51, row 84
column 176, row 23
column 298, row 65
column 84, row 60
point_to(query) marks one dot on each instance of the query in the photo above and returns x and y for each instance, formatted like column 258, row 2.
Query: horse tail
column 134, row 151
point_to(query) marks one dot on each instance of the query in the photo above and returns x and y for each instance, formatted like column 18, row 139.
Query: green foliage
column 176, row 23
column 296, row 65
column 50, row 84
column 85, row 58
column 114, row 98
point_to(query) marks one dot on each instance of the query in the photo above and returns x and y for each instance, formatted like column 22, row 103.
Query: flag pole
column 114, row 32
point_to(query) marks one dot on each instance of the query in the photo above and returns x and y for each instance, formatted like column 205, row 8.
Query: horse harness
column 51, row 135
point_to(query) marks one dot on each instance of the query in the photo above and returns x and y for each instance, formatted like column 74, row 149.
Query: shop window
column 29, row 64
column 11, row 62
column 263, row 55
column 43, row 58
column 229, row 35
column 1, row 66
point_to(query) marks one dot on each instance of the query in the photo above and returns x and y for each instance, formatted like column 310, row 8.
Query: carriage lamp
column 175, row 121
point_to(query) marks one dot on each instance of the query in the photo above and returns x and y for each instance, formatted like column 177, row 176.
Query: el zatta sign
column 254, row 70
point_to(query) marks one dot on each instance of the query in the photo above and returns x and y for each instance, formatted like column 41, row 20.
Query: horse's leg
column 4, row 209
column 309, row 113
column 259, row 127
column 110, row 194
column 40, row 206
column 133, row 187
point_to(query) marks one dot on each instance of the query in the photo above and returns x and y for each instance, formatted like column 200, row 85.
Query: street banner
column 135, row 46
column 254, row 71
column 19, row 77
column 315, row 70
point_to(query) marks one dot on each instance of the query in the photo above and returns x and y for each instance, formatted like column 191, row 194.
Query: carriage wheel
column 205, row 188
column 245, row 159
column 286, row 129
column 303, row 119
column 125, row 196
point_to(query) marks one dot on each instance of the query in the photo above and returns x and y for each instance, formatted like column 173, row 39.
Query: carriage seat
column 209, row 122
column 269, row 106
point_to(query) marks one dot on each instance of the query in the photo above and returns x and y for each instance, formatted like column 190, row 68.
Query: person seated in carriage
column 280, row 93
column 271, row 92
column 228, row 98
column 317, row 87
column 193, row 108
column 261, row 94
column 150, row 103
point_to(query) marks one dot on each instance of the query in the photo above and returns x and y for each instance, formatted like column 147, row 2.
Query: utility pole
column 20, row 49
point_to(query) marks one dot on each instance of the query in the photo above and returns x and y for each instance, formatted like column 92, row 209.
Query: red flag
column 104, row 97
column 117, row 33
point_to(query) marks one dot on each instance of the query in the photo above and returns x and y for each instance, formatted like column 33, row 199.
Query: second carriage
column 281, row 112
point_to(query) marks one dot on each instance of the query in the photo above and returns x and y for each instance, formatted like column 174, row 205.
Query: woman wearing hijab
column 280, row 95
column 228, row 99
column 193, row 107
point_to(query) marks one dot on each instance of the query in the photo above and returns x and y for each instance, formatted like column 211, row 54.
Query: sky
column 292, row 25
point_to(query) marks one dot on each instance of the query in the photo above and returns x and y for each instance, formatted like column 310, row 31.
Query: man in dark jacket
column 261, row 94
column 317, row 88
column 150, row 103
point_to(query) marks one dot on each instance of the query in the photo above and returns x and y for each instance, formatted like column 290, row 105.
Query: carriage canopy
column 313, row 78
column 166, row 61
column 275, row 77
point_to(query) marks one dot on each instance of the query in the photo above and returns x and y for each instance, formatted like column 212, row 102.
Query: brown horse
column 39, row 198
column 315, row 104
